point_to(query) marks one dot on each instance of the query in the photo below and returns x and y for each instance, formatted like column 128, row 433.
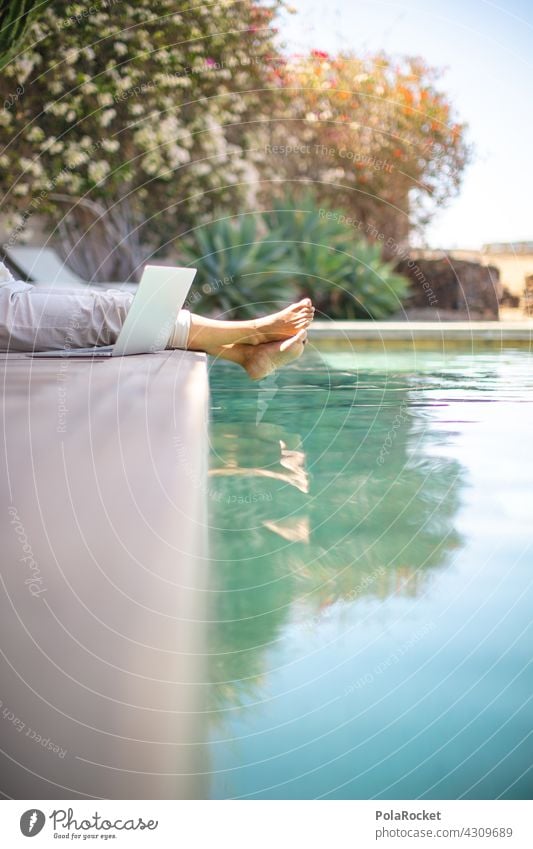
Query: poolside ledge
column 426, row 331
column 103, row 584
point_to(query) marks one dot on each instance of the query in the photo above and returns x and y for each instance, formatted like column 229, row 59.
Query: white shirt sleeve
column 33, row 318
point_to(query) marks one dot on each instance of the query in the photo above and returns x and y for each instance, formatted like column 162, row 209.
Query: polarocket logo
column 32, row 822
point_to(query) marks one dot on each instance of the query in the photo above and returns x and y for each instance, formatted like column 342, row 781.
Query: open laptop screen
column 150, row 319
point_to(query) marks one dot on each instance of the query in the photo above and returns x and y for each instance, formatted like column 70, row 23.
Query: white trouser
column 33, row 318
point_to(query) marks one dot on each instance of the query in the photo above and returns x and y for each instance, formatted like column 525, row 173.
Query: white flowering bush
column 131, row 120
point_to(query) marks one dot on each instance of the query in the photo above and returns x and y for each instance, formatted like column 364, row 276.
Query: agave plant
column 238, row 268
column 293, row 250
column 371, row 289
column 344, row 274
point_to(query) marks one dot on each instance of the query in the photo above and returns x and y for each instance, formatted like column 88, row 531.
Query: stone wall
column 449, row 288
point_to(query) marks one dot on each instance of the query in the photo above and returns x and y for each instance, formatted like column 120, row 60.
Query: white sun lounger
column 43, row 266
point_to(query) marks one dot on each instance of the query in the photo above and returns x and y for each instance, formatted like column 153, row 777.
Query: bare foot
column 260, row 360
column 283, row 324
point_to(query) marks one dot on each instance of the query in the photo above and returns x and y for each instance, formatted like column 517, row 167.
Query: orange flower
column 406, row 94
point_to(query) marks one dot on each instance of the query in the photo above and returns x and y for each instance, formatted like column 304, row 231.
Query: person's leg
column 204, row 332
column 260, row 360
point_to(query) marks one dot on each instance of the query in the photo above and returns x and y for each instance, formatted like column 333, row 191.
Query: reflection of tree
column 338, row 523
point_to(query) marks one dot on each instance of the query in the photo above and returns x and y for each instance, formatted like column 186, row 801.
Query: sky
column 486, row 50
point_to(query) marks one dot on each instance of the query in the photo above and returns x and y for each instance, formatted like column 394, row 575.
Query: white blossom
column 35, row 133
column 75, row 157
column 111, row 145
column 107, row 116
column 98, row 170
column 71, row 55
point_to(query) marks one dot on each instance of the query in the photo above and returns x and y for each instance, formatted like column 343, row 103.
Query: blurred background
column 368, row 603
column 372, row 155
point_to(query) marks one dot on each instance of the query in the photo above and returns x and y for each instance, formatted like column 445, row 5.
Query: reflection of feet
column 294, row 461
column 293, row 468
column 284, row 324
column 293, row 530
column 261, row 360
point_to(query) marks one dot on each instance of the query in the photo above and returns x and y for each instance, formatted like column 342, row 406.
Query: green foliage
column 15, row 18
column 344, row 274
column 238, row 269
column 285, row 253
column 128, row 121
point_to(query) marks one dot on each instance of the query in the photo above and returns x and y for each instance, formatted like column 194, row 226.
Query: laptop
column 148, row 324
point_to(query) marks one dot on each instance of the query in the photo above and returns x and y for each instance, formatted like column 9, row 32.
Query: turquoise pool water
column 371, row 534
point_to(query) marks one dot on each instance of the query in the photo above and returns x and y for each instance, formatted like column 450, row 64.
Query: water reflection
column 275, row 458
column 331, row 494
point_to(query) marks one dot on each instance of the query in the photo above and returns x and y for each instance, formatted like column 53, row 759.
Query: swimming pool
column 371, row 533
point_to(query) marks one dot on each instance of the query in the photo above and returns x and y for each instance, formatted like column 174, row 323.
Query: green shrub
column 130, row 121
column 344, row 274
column 15, row 18
column 273, row 257
column 238, row 269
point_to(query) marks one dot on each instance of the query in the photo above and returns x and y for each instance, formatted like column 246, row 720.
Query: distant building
column 514, row 261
